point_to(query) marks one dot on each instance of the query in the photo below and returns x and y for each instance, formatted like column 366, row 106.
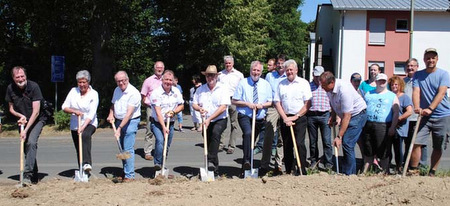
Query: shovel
column 205, row 174
column 80, row 176
column 336, row 151
column 253, row 173
column 164, row 171
column 22, row 142
column 413, row 140
column 122, row 155
column 299, row 165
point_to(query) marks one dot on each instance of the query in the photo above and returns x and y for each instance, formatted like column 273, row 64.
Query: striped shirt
column 319, row 100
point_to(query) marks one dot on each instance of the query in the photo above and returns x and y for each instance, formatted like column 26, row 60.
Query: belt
column 316, row 113
column 361, row 112
column 152, row 120
column 130, row 119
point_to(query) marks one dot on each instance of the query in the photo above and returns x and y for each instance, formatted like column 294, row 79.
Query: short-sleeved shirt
column 87, row 105
column 345, row 99
column 379, row 106
column 429, row 84
column 23, row 99
column 319, row 100
column 123, row 99
column 408, row 91
column 211, row 100
column 150, row 84
column 292, row 95
column 366, row 87
column 274, row 79
column 244, row 92
column 167, row 101
column 230, row 79
column 403, row 126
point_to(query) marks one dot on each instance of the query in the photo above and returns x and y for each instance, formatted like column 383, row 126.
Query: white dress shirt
column 293, row 95
column 167, row 101
column 121, row 101
column 211, row 100
column 230, row 79
column 86, row 104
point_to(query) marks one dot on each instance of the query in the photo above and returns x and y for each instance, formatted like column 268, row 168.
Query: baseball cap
column 381, row 76
column 433, row 50
column 318, row 70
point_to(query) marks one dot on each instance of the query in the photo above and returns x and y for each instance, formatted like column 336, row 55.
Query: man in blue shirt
column 431, row 102
column 252, row 93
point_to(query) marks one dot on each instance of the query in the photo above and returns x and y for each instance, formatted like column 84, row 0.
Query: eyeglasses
column 121, row 81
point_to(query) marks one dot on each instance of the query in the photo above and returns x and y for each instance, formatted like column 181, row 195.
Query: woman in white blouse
column 82, row 101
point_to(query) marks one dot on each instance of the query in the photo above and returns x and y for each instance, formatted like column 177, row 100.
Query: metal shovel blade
column 164, row 172
column 205, row 175
column 253, row 173
column 80, row 176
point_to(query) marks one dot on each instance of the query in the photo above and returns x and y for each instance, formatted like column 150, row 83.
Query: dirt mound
column 318, row 189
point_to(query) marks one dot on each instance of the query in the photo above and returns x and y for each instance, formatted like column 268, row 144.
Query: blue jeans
column 349, row 140
column 316, row 122
column 127, row 139
column 245, row 122
column 159, row 142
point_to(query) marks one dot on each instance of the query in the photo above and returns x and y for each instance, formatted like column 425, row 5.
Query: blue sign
column 58, row 64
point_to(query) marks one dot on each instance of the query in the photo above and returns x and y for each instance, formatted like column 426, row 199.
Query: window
column 381, row 64
column 402, row 25
column 399, row 68
column 377, row 30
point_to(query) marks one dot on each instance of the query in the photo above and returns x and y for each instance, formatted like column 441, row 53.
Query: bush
column 62, row 120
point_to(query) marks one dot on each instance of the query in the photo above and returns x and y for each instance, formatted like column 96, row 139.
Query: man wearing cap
column 382, row 118
column 210, row 101
column 351, row 108
column 292, row 101
column 273, row 145
column 252, row 93
column 150, row 84
column 410, row 69
column 230, row 77
column 431, row 102
column 318, row 116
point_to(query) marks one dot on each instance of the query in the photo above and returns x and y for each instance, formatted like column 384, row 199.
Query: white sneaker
column 87, row 168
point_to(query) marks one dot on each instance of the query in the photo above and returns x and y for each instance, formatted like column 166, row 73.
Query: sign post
column 58, row 65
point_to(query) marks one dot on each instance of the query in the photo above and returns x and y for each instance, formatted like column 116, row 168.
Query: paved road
column 57, row 157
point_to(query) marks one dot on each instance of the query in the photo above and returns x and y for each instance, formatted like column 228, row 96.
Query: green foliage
column 62, row 120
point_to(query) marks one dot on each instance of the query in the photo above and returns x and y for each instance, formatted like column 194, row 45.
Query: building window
column 377, row 31
column 401, row 25
column 381, row 64
column 399, row 68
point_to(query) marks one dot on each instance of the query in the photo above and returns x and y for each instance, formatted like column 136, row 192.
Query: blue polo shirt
column 244, row 92
column 429, row 84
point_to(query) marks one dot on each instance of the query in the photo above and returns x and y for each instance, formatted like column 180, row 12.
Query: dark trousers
column 86, row 137
column 245, row 122
column 30, row 148
column 316, row 121
column 214, row 131
column 288, row 145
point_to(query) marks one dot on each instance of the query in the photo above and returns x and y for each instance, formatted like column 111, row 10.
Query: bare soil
column 317, row 189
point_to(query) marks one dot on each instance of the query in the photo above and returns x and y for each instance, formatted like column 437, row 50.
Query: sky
column 309, row 9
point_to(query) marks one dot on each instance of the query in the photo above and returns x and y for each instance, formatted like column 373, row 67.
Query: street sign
column 58, row 64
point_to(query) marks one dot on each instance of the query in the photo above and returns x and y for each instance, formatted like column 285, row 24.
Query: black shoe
column 247, row 166
column 211, row 167
column 263, row 171
column 157, row 167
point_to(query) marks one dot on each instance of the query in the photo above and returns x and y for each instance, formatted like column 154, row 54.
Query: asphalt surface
column 57, row 157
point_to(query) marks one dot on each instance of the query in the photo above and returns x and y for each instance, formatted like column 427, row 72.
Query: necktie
column 255, row 93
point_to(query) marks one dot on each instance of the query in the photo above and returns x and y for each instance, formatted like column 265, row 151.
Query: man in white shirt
column 125, row 113
column 230, row 77
column 292, row 101
column 212, row 104
column 166, row 102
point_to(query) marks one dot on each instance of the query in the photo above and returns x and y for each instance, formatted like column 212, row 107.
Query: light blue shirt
column 274, row 80
column 379, row 106
column 429, row 84
column 244, row 92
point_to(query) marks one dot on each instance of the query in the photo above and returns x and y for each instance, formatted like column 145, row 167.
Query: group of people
column 368, row 114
